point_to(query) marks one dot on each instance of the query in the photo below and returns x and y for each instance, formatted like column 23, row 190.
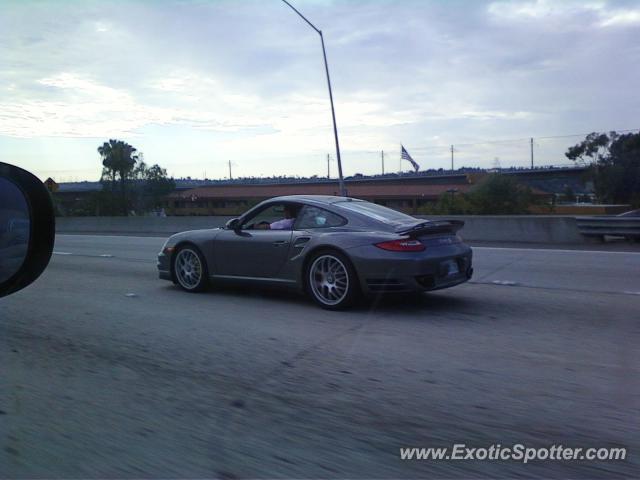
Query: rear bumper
column 380, row 271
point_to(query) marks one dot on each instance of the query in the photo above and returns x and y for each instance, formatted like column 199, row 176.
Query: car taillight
column 402, row 245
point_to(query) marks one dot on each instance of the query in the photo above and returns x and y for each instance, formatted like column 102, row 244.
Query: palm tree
column 119, row 158
column 106, row 151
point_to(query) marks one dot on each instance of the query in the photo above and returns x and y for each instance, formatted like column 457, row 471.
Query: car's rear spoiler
column 431, row 227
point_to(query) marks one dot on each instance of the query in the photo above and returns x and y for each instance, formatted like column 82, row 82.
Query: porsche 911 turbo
column 332, row 248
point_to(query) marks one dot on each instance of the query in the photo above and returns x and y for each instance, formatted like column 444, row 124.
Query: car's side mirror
column 233, row 224
column 27, row 228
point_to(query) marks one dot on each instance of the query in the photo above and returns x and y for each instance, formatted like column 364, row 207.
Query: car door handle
column 280, row 243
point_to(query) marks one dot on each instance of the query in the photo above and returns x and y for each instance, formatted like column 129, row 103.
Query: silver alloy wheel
column 188, row 269
column 329, row 279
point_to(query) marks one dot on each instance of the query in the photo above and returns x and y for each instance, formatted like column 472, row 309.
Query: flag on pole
column 405, row 156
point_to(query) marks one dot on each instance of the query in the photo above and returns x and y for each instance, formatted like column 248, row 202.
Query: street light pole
column 531, row 153
column 328, row 167
column 452, row 158
column 343, row 190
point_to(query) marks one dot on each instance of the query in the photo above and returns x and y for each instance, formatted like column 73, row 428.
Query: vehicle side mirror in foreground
column 27, row 228
column 233, row 224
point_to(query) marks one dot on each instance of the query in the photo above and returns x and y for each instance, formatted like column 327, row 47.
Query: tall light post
column 343, row 190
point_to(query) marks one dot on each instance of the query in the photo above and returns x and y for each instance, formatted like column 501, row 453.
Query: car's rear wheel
column 190, row 269
column 331, row 280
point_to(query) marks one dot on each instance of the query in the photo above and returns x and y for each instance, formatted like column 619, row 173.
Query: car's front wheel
column 331, row 280
column 190, row 269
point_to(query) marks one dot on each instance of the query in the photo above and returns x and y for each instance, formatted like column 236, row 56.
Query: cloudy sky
column 194, row 84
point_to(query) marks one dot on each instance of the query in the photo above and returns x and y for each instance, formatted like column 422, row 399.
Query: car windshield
column 377, row 212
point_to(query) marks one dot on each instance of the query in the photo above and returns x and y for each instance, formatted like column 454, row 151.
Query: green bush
column 448, row 204
column 496, row 194
column 500, row 194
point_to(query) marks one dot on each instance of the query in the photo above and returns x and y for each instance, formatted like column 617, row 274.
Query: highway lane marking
column 102, row 255
column 555, row 250
column 107, row 255
column 503, row 283
column 150, row 237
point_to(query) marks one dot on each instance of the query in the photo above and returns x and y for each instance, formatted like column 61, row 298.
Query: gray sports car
column 333, row 248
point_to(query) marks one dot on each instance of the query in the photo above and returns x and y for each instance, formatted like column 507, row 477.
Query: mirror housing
column 41, row 225
column 233, row 224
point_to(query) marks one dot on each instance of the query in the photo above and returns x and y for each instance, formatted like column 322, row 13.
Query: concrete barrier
column 517, row 228
column 136, row 225
column 498, row 228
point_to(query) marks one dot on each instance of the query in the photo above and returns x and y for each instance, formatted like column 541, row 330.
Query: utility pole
column 382, row 156
column 452, row 158
column 532, row 153
column 343, row 190
column 230, row 176
column 328, row 167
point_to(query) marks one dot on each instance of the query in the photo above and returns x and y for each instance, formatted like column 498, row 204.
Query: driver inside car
column 285, row 224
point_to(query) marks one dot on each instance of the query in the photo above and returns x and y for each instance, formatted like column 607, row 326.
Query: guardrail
column 599, row 227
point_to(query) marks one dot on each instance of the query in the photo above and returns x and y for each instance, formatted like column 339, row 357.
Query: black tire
column 189, row 269
column 326, row 289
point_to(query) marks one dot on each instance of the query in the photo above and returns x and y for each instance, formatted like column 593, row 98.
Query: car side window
column 269, row 214
column 278, row 216
column 315, row 217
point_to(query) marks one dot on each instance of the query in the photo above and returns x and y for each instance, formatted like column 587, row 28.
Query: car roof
column 317, row 199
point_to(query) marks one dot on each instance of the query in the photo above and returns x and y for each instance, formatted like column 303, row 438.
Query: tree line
column 612, row 163
column 129, row 185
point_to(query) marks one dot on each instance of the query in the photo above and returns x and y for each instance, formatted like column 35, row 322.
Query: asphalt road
column 108, row 372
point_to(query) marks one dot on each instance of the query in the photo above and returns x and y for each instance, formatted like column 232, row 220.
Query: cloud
column 82, row 107
column 543, row 9
column 74, row 106
column 600, row 13
column 247, row 78
column 622, row 18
